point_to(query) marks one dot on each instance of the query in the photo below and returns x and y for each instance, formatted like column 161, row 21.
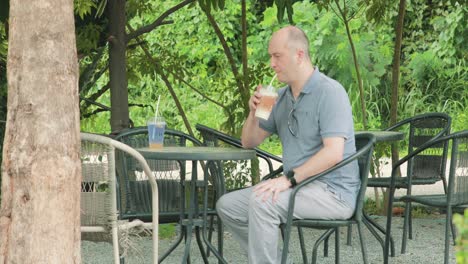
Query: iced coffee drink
column 267, row 101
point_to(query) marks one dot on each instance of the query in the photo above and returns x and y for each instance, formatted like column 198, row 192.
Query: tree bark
column 40, row 210
column 120, row 118
column 245, row 66
column 396, row 71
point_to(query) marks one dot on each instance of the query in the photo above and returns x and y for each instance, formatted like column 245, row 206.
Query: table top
column 384, row 136
column 197, row 153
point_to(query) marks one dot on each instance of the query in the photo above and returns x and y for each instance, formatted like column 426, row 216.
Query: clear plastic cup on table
column 156, row 128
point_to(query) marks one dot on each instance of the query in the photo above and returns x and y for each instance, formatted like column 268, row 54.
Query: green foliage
column 462, row 238
column 167, row 231
column 433, row 77
column 237, row 174
column 83, row 7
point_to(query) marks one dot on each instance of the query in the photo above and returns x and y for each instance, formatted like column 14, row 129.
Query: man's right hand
column 255, row 99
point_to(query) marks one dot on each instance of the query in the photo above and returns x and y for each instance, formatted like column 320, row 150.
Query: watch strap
column 290, row 176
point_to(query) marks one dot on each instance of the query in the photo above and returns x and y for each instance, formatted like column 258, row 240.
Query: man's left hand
column 272, row 187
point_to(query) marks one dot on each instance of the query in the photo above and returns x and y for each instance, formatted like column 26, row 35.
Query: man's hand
column 255, row 99
column 272, row 187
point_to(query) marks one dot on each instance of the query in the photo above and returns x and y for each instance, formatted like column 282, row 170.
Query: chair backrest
column 99, row 189
column 420, row 129
column 98, row 180
column 213, row 137
column 135, row 195
column 458, row 172
column 364, row 149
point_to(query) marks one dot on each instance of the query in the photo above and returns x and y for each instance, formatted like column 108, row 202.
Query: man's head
column 289, row 53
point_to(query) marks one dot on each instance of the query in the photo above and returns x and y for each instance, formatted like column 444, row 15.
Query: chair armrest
column 230, row 140
column 273, row 174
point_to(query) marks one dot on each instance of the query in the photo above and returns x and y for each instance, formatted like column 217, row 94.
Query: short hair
column 298, row 39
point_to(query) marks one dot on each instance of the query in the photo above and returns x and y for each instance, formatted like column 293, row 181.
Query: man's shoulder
column 328, row 82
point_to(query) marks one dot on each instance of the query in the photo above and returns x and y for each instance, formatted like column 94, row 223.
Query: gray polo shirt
column 322, row 110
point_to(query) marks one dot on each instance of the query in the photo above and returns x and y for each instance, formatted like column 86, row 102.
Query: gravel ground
column 426, row 247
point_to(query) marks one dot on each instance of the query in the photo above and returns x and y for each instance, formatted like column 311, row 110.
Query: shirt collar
column 308, row 86
column 311, row 82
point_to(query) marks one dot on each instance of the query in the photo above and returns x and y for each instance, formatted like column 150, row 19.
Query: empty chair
column 427, row 167
column 457, row 189
column 170, row 176
column 99, row 212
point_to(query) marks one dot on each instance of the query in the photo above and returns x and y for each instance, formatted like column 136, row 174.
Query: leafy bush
column 462, row 239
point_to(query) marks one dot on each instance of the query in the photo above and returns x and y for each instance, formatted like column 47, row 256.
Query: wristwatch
column 290, row 176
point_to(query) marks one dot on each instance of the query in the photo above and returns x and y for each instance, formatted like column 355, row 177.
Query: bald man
column 312, row 117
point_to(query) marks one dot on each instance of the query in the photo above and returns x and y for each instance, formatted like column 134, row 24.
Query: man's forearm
column 327, row 157
column 252, row 134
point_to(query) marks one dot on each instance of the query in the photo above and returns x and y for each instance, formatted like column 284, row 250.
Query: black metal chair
column 212, row 137
column 426, row 168
column 363, row 155
column 457, row 189
column 135, row 196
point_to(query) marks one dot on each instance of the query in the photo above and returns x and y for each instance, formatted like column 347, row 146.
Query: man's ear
column 300, row 55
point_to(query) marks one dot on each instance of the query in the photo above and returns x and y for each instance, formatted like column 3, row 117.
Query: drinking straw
column 157, row 106
column 271, row 82
column 156, row 114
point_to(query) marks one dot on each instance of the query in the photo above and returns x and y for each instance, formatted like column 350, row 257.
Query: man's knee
column 221, row 205
column 257, row 204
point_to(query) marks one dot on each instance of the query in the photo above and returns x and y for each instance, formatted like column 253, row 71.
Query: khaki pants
column 255, row 223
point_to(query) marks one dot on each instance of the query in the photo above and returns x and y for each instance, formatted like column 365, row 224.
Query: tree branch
column 94, row 97
column 158, row 22
column 160, row 71
column 245, row 95
column 85, row 77
column 178, row 77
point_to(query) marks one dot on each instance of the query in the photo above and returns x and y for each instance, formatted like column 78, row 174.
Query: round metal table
column 195, row 154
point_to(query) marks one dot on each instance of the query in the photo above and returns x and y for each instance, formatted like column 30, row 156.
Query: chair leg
column 325, row 246
column 286, row 234
column 370, row 225
column 410, row 222
column 210, row 234
column 349, row 235
column 453, row 229
column 173, row 246
column 406, row 223
column 337, row 245
column 448, row 221
column 220, row 236
column 363, row 244
column 317, row 243
column 301, row 241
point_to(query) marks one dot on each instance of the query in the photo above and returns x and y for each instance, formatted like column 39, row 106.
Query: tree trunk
column 117, row 65
column 358, row 75
column 396, row 71
column 245, row 66
column 40, row 210
column 395, row 80
column 344, row 16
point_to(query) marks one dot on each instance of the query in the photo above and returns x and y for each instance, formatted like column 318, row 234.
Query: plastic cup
column 267, row 101
column 156, row 128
